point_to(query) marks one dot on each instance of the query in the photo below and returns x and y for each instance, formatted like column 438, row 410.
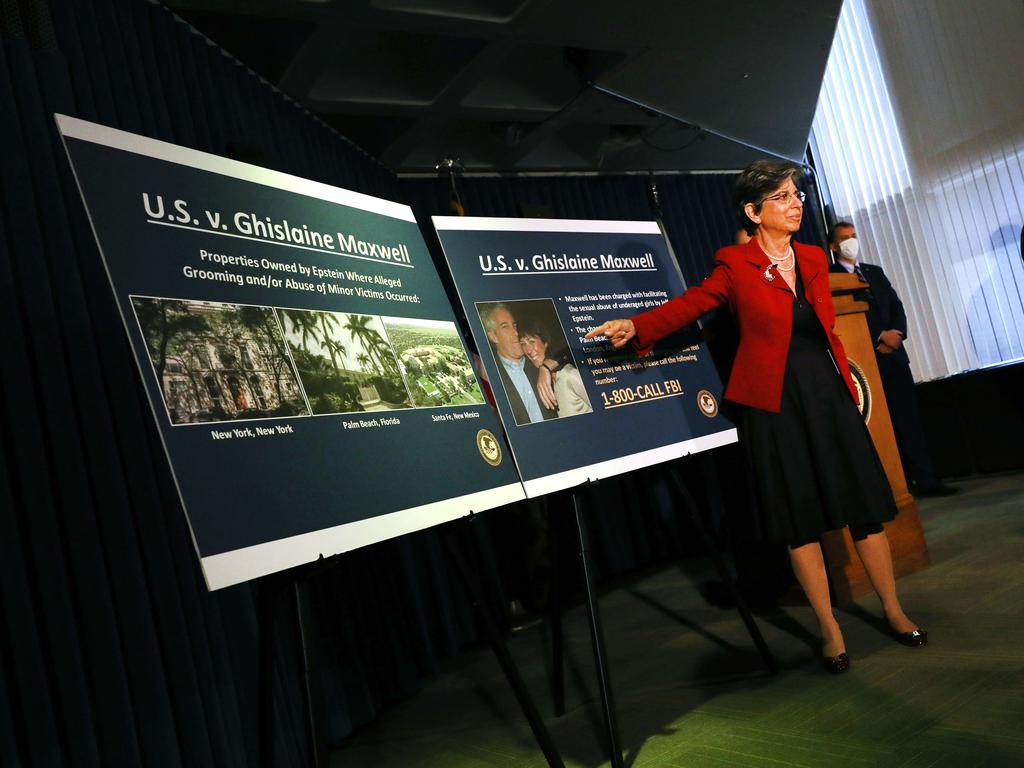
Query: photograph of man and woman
column 538, row 372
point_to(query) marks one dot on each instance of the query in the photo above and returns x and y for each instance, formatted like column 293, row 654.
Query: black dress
column 815, row 468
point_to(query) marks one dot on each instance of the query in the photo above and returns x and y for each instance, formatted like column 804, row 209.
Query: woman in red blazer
column 813, row 463
column 761, row 299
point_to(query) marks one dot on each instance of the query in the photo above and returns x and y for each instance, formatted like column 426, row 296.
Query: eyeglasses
column 786, row 197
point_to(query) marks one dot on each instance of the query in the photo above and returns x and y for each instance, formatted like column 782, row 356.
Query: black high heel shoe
column 836, row 664
column 914, row 639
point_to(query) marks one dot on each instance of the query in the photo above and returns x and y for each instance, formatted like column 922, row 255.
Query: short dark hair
column 832, row 232
column 534, row 328
column 756, row 182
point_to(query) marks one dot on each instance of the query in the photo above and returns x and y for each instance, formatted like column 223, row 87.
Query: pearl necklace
column 779, row 262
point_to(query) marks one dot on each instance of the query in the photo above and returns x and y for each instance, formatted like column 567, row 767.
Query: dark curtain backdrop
column 112, row 652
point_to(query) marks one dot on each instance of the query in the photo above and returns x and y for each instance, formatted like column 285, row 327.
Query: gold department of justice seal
column 707, row 403
column 489, row 447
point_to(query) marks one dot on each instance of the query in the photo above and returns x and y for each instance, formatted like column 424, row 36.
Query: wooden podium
column 906, row 537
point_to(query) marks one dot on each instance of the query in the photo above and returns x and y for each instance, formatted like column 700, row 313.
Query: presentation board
column 308, row 380
column 532, row 288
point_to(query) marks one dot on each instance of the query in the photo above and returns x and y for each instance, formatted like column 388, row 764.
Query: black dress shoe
column 914, row 639
column 936, row 489
column 836, row 664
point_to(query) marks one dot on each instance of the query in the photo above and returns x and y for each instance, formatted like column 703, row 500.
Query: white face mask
column 849, row 249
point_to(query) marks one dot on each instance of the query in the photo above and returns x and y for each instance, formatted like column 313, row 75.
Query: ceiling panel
column 542, row 85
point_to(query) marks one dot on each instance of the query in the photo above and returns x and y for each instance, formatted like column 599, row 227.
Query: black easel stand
column 309, row 644
column 596, row 629
column 596, row 636
column 268, row 591
column 723, row 571
column 594, row 616
column 294, row 583
column 555, row 607
column 455, row 542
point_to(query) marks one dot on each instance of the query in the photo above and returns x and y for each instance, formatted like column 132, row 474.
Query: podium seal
column 860, row 383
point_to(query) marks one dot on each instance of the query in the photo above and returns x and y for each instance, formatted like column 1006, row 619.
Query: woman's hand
column 618, row 332
column 545, row 388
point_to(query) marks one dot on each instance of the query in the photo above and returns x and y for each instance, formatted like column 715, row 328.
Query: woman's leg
column 809, row 567
column 877, row 558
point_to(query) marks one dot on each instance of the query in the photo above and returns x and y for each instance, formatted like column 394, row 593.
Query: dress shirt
column 516, row 372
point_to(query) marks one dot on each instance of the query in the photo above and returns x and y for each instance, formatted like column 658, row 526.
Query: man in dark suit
column 887, row 324
column 519, row 377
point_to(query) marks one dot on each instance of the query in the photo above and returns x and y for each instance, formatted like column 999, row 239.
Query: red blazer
column 763, row 309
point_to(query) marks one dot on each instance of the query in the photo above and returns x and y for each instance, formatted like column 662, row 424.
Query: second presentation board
column 532, row 288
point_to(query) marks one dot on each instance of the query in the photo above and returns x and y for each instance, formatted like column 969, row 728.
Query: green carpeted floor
column 691, row 692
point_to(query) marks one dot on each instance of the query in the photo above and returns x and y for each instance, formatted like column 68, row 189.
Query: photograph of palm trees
column 344, row 361
column 218, row 362
column 434, row 362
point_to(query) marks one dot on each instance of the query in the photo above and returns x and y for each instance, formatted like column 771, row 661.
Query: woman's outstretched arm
column 657, row 323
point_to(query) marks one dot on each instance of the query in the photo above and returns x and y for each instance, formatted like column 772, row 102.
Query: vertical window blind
column 919, row 136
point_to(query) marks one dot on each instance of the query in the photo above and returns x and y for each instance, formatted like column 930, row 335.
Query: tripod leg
column 508, row 665
column 267, row 598
column 723, row 572
column 308, row 639
column 597, row 638
column 555, row 610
